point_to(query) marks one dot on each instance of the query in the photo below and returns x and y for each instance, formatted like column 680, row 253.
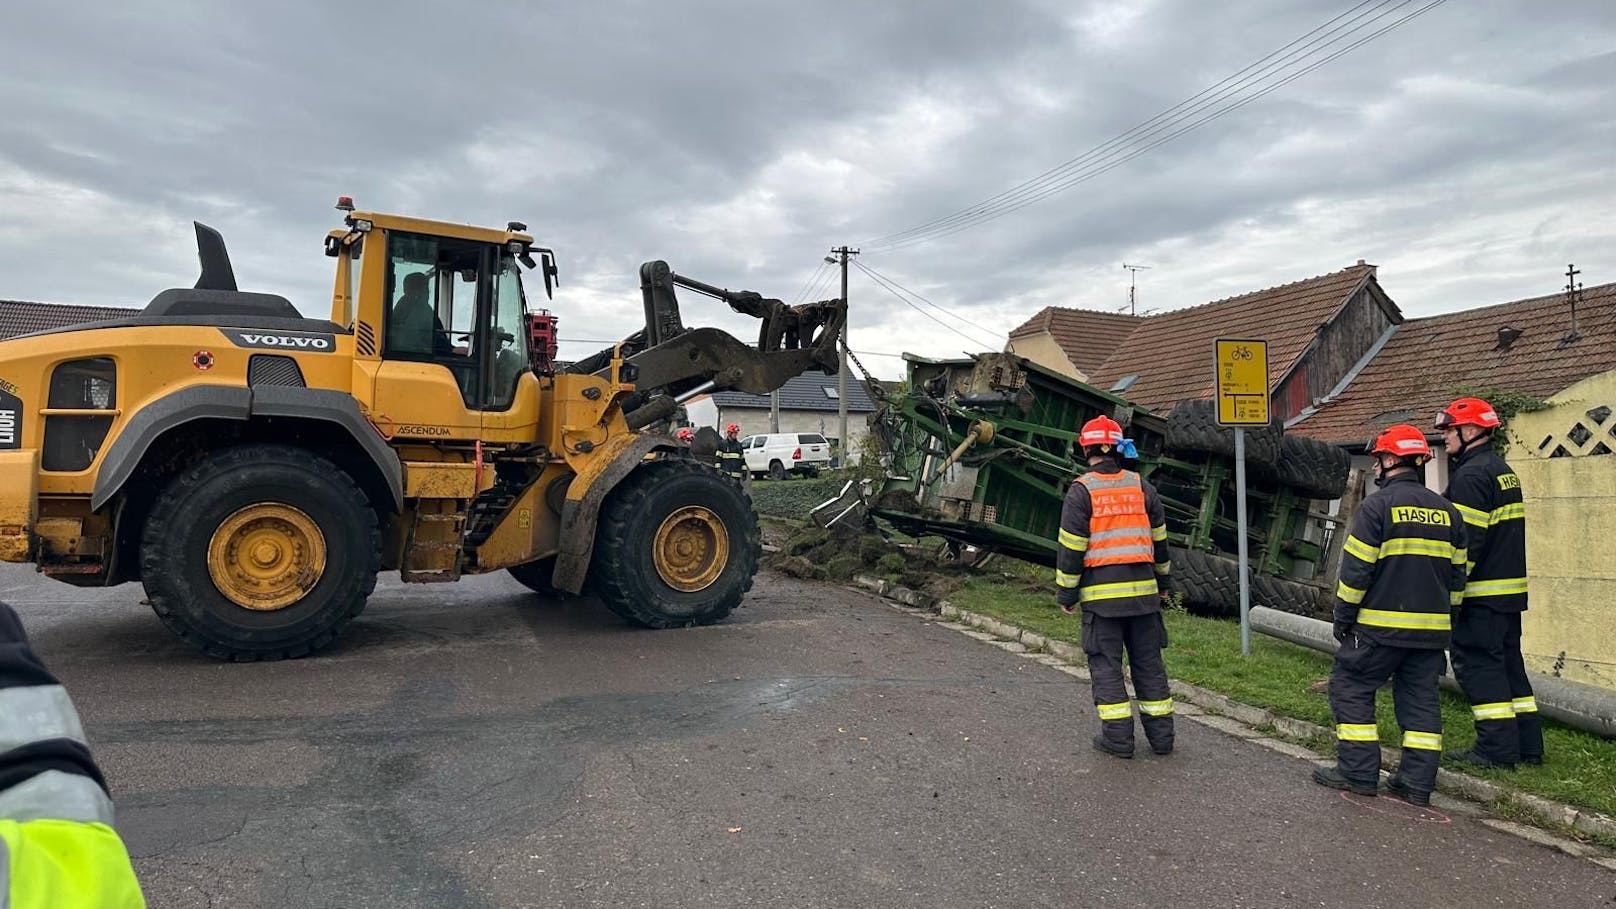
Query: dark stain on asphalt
column 390, row 772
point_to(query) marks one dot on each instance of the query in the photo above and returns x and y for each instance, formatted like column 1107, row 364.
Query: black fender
column 580, row 517
column 229, row 402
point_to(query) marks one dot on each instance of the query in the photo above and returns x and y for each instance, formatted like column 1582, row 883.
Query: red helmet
column 1468, row 411
column 1402, row 440
column 685, row 434
column 1100, row 431
column 733, row 427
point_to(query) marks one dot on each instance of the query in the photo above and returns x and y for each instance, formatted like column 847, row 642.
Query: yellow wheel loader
column 255, row 469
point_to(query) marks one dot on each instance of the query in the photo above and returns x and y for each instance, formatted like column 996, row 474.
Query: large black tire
column 1313, row 468
column 624, row 571
column 1209, row 584
column 1193, row 426
column 536, row 576
column 1288, row 596
column 174, row 553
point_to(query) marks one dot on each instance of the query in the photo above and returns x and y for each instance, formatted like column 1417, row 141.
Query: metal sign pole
column 1240, row 506
column 1241, row 382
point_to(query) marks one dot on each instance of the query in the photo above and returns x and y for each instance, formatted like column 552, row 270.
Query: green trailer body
column 980, row 451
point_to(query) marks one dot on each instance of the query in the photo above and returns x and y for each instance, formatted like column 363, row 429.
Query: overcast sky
column 1470, row 153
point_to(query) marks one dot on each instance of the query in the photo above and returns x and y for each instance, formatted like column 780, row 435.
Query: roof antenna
column 1573, row 291
column 1133, row 286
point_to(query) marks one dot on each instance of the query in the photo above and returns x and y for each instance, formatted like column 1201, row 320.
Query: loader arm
column 669, row 362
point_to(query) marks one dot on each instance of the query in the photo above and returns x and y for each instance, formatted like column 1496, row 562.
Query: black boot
column 1162, row 747
column 1101, row 743
column 1476, row 760
column 1397, row 787
column 1332, row 777
column 1533, row 760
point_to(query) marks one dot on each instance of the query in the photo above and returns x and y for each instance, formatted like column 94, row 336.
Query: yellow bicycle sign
column 1242, row 381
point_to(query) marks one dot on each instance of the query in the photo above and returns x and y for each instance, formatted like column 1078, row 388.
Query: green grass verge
column 1280, row 676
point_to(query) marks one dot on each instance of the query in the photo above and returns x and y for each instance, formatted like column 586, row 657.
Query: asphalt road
column 474, row 745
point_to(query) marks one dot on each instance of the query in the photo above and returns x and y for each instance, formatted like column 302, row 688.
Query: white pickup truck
column 777, row 454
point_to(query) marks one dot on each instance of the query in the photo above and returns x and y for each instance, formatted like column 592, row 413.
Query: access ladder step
column 430, row 577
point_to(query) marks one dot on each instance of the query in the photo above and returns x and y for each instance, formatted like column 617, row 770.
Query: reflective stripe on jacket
column 1119, row 530
column 57, row 846
column 1402, row 566
column 731, row 457
column 1111, row 585
column 1488, row 496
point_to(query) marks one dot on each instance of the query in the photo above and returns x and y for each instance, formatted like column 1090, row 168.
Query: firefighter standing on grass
column 1486, row 648
column 1402, row 574
column 1113, row 548
column 731, row 456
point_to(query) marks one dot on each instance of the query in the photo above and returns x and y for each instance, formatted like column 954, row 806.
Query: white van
column 776, row 454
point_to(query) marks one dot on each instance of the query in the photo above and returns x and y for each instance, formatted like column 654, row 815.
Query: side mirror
column 547, row 267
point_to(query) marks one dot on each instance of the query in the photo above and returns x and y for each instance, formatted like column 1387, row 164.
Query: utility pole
column 1133, row 286
column 841, row 254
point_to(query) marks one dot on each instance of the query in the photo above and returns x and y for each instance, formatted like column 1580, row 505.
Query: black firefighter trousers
column 1361, row 667
column 1143, row 637
column 1488, row 666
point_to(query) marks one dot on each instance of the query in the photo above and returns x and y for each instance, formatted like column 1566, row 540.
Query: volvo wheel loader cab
column 255, row 469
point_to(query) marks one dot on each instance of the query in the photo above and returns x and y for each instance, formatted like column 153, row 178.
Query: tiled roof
column 805, row 392
column 1086, row 337
column 1417, row 371
column 20, row 318
column 1172, row 353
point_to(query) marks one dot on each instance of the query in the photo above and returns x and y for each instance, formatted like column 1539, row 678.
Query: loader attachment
column 669, row 363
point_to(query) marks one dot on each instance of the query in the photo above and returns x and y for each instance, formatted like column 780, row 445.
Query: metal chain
column 869, row 379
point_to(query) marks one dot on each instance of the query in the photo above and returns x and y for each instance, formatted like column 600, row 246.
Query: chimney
column 1373, row 269
column 1507, row 336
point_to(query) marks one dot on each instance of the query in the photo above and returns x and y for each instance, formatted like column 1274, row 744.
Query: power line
column 1104, row 157
column 905, row 300
column 1241, row 80
column 1055, row 172
column 990, row 331
column 1113, row 164
column 823, row 285
column 819, row 268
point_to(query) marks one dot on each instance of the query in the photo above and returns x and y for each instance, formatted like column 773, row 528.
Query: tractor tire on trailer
column 678, row 545
column 260, row 553
column 1289, row 596
column 1315, row 469
column 1193, row 426
column 1210, row 584
column 536, row 576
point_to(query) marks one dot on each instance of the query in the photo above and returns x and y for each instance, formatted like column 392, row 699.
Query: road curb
column 1255, row 722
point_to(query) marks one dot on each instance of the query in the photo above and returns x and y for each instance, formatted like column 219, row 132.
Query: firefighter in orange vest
column 1113, row 550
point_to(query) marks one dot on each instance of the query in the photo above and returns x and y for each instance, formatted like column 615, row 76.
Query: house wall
column 1042, row 349
column 1340, row 345
column 1571, row 519
column 755, row 420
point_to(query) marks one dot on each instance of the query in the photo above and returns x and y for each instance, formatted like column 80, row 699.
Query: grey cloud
column 606, row 126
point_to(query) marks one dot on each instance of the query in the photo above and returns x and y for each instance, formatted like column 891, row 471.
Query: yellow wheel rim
column 266, row 557
column 691, row 548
